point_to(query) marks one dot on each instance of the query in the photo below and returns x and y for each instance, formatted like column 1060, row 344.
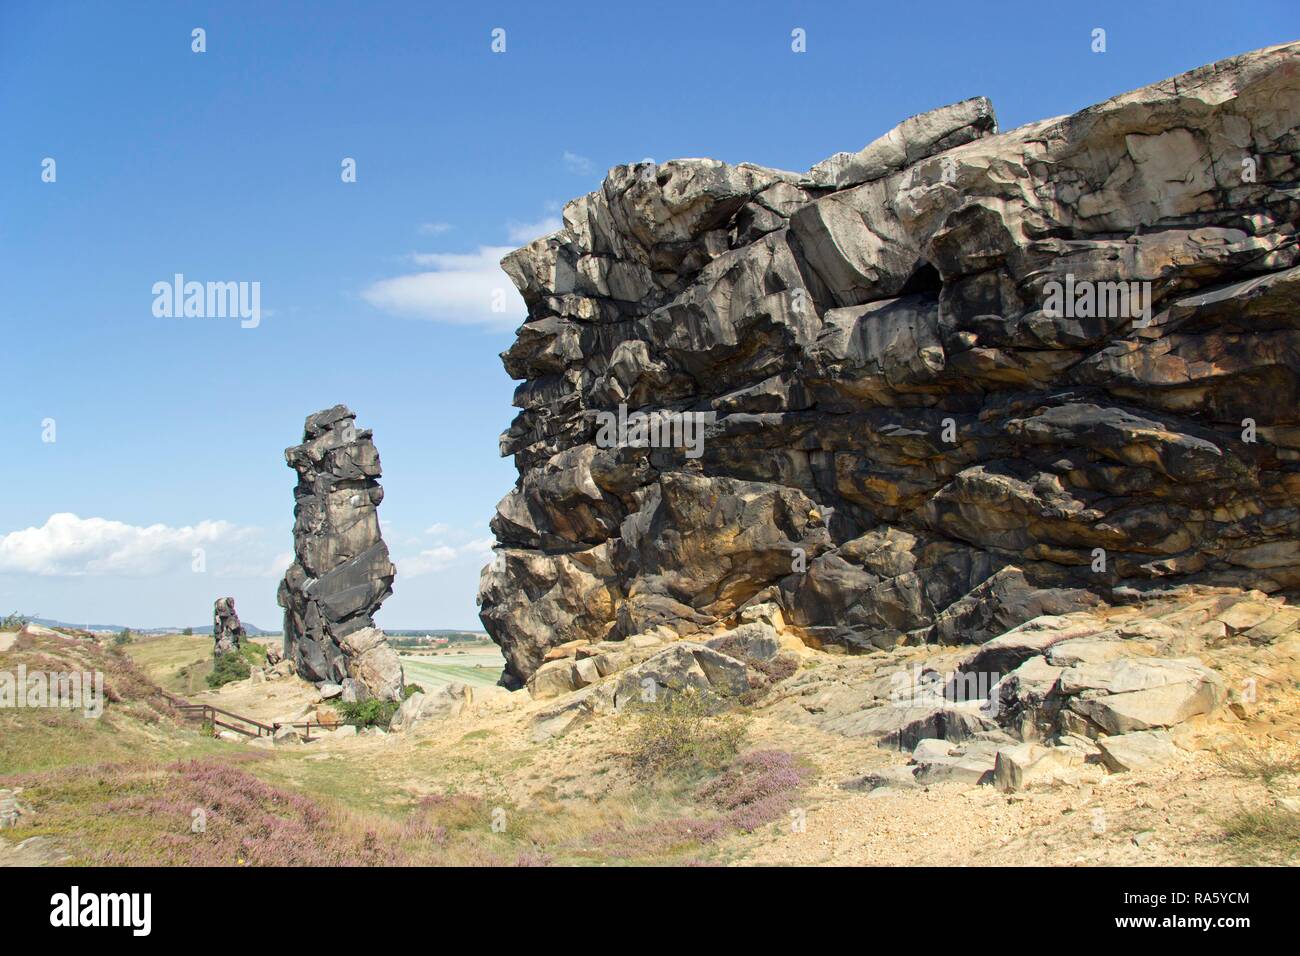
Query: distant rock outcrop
column 924, row 392
column 341, row 573
column 227, row 632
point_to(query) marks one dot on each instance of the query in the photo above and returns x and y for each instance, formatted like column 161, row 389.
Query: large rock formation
column 341, row 574
column 227, row 632
column 949, row 383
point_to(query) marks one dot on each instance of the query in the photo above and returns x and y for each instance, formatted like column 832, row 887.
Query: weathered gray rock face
column 342, row 573
column 935, row 411
column 227, row 632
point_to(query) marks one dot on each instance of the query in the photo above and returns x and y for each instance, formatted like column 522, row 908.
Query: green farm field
column 479, row 666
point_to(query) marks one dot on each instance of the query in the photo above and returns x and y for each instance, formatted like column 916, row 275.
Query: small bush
column 14, row 622
column 227, row 668
column 369, row 713
column 123, row 638
column 683, row 733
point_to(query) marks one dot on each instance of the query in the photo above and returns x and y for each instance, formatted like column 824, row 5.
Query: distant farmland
column 478, row 667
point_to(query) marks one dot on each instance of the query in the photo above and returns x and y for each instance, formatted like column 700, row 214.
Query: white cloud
column 442, row 556
column 578, row 165
column 461, row 288
column 434, row 228
column 525, row 232
column 437, row 528
column 70, row 546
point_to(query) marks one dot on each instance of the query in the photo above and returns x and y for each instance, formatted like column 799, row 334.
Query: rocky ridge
column 953, row 382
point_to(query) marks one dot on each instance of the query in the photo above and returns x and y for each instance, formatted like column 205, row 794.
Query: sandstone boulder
column 1029, row 764
column 1132, row 695
column 1140, row 750
column 678, row 667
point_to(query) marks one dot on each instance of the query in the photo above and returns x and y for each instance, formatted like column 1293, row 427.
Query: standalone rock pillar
column 227, row 632
column 341, row 572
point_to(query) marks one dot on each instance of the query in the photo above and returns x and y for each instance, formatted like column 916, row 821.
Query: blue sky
column 225, row 166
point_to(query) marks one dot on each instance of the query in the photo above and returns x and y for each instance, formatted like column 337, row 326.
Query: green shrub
column 373, row 712
column 123, row 638
column 227, row 668
column 14, row 622
column 368, row 713
column 255, row 654
column 683, row 733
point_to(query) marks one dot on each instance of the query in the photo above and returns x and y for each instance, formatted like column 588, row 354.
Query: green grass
column 136, row 722
column 176, row 663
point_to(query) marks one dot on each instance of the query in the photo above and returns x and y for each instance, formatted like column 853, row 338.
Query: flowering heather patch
column 245, row 822
column 132, row 814
column 661, row 838
column 124, row 682
column 214, row 812
column 755, row 789
column 533, row 857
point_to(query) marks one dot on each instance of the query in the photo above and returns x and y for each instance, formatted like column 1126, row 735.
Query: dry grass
column 127, row 788
column 1268, row 835
column 178, row 663
column 1267, row 766
column 683, row 734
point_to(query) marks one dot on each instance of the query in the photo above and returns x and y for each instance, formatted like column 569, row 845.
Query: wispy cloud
column 578, row 165
column 442, row 556
column 461, row 288
column 434, row 228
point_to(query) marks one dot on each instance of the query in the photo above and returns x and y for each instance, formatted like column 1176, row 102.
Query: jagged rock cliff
column 945, row 384
column 341, row 573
